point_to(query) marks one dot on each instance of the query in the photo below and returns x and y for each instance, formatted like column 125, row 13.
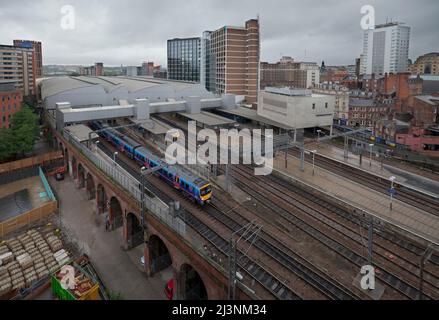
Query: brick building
column 426, row 64
column 97, row 70
column 341, row 94
column 425, row 110
column 38, row 54
column 232, row 61
column 333, row 74
column 287, row 73
column 420, row 133
column 10, row 101
column 365, row 112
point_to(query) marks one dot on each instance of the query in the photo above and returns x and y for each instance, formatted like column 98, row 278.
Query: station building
column 299, row 109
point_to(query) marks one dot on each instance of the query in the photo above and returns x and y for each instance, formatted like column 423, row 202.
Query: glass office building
column 184, row 59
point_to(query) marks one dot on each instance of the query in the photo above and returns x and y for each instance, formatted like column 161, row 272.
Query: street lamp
column 392, row 179
column 142, row 194
column 371, row 148
column 114, row 157
column 318, row 134
column 313, row 163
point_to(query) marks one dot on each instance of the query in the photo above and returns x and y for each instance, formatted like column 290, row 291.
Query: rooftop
column 427, row 77
column 357, row 102
column 289, row 91
column 55, row 85
column 432, row 100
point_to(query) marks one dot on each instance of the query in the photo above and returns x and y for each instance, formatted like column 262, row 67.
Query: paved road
column 119, row 269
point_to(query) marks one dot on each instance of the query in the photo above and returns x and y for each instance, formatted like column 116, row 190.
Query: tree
column 7, row 148
column 24, row 129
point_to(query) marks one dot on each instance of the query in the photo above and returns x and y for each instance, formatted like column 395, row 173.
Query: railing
column 46, row 185
column 132, row 186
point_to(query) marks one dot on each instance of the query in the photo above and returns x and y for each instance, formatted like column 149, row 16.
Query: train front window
column 205, row 190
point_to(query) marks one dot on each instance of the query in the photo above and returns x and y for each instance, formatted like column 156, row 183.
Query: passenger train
column 195, row 187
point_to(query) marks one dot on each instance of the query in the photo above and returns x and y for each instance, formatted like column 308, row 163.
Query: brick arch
column 60, row 146
column 115, row 213
column 192, row 285
column 160, row 254
column 81, row 176
column 101, row 199
column 74, row 167
column 134, row 231
column 90, row 186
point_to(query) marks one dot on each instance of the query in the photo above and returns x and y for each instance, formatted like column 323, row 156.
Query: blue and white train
column 195, row 187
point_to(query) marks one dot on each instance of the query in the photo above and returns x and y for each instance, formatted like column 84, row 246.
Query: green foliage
column 7, row 149
column 115, row 296
column 20, row 137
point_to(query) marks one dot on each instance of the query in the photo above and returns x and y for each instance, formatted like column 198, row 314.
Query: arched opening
column 81, row 176
column 191, row 285
column 134, row 231
column 116, row 217
column 74, row 168
column 101, row 199
column 159, row 254
column 90, row 186
column 66, row 157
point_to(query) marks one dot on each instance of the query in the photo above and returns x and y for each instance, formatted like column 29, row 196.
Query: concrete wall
column 297, row 111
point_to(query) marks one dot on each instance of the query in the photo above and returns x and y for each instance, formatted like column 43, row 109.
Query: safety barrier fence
column 27, row 218
column 132, row 185
column 29, row 162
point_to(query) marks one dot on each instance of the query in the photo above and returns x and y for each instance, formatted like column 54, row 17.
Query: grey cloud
column 129, row 32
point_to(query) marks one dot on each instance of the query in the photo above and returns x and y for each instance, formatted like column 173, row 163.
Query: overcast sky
column 131, row 31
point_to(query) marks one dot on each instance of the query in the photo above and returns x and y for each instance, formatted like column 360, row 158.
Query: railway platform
column 402, row 215
column 410, row 176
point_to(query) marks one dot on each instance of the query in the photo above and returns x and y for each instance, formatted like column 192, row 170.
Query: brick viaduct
column 163, row 248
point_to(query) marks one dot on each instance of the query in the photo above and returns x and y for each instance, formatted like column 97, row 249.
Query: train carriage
column 195, row 187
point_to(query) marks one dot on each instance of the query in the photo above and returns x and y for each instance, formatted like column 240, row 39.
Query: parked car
column 169, row 289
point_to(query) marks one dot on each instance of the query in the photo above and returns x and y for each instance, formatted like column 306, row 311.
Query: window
column 313, row 106
column 326, row 105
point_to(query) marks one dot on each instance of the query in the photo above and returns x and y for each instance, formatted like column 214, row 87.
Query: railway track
column 300, row 266
column 266, row 279
column 404, row 194
column 408, row 289
column 301, row 216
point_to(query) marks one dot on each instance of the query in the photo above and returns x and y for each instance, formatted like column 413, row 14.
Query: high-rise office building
column 231, row 60
column 207, row 63
column 17, row 64
column 38, row 54
column 386, row 49
column 184, row 57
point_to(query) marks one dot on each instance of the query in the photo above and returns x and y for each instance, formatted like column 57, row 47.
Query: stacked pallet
column 5, row 281
column 61, row 257
column 29, row 257
column 17, row 277
column 25, row 260
column 15, row 246
column 6, row 255
column 54, row 242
